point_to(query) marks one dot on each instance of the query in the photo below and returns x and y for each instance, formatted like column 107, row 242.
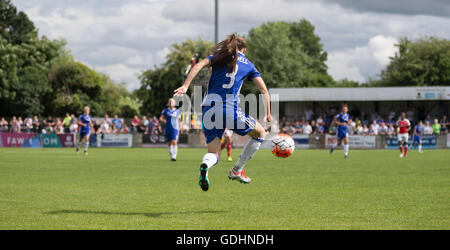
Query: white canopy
column 362, row 94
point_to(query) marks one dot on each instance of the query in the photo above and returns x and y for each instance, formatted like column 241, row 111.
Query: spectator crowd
column 374, row 124
column 69, row 124
column 308, row 124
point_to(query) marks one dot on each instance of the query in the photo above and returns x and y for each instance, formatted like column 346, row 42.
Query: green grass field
column 141, row 189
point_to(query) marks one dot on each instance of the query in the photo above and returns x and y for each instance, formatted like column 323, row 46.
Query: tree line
column 40, row 76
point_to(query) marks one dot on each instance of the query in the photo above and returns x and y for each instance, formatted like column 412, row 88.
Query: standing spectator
column 391, row 130
column 359, row 129
column 390, row 120
column 3, row 125
column 436, row 127
column 307, row 129
column 380, row 120
column 66, row 123
column 410, row 114
column 428, row 130
column 383, row 129
column 73, row 128
column 392, row 114
column 135, row 123
column 49, row 124
column 36, row 125
column 14, row 125
column 125, row 129
column 428, row 119
column 444, row 124
column 374, row 128
column 351, row 127
column 144, row 124
column 366, row 130
column 96, row 127
column 28, row 125
column 308, row 113
column 298, row 127
column 108, row 120
column 117, row 122
column 59, row 127
column 104, row 127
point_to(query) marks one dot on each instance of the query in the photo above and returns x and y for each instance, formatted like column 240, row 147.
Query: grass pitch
column 142, row 189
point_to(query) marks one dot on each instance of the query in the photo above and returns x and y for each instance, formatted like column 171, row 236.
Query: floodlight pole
column 216, row 23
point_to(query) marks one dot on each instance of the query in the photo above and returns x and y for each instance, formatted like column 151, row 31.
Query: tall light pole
column 216, row 23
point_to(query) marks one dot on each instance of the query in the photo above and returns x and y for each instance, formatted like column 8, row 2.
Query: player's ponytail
column 226, row 52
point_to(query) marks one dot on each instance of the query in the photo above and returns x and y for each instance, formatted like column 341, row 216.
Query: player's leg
column 209, row 159
column 346, row 146
column 256, row 139
column 400, row 145
column 229, row 144
column 80, row 141
column 420, row 145
column 405, row 146
column 86, row 144
column 174, row 150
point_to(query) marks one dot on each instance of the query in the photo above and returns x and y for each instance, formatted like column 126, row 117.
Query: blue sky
column 122, row 38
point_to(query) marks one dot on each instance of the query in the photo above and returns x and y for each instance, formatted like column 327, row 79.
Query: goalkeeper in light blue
column 230, row 67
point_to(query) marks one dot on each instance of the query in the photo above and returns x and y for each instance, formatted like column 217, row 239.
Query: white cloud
column 122, row 38
column 362, row 62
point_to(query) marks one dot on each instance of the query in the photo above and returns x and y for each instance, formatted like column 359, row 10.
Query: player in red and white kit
column 403, row 127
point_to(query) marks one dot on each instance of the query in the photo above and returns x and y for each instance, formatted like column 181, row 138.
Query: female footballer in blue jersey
column 171, row 116
column 230, row 67
column 84, row 123
column 341, row 120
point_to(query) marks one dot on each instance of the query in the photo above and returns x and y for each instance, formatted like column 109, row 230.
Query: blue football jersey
column 172, row 117
column 86, row 120
column 418, row 129
column 342, row 118
column 225, row 86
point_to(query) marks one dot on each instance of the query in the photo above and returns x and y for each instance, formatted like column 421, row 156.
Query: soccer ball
column 283, row 145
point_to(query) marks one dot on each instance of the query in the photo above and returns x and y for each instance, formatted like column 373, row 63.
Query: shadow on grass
column 152, row 215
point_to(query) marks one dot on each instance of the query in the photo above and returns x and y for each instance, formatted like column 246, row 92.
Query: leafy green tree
column 288, row 54
column 423, row 62
column 158, row 84
column 15, row 26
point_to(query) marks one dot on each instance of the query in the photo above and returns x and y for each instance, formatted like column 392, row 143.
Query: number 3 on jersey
column 232, row 77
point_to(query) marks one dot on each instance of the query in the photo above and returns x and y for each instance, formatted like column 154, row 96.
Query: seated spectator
column 285, row 128
column 390, row 121
column 428, row 130
column 436, row 127
column 444, row 125
column 380, row 120
column 291, row 130
column 125, row 129
column 20, row 122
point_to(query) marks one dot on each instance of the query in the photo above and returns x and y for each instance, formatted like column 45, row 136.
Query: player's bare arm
column 192, row 74
column 259, row 82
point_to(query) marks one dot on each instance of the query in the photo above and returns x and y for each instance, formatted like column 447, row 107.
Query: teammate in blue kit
column 230, row 67
column 417, row 138
column 84, row 123
column 171, row 117
column 341, row 120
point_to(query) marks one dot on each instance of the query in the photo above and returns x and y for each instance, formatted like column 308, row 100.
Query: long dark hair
column 226, row 52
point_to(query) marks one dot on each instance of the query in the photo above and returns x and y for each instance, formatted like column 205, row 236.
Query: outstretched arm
column 192, row 74
column 259, row 82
